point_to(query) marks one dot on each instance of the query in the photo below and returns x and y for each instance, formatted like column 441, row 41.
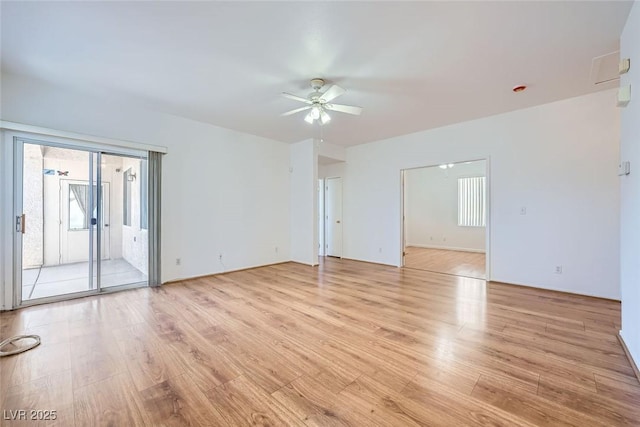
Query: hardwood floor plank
column 311, row 401
column 95, row 358
column 345, row 343
column 207, row 365
column 499, row 392
column 46, row 359
column 627, row 393
column 600, row 407
column 459, row 263
column 147, row 361
column 113, row 401
column 247, row 403
column 174, row 402
column 457, row 408
column 49, row 393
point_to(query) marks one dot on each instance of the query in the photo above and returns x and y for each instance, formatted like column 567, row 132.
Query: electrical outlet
column 219, row 257
column 277, row 248
column 558, row 269
column 523, row 210
column 380, row 250
column 178, row 261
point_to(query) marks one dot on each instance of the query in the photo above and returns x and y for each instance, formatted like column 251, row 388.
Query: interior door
column 77, row 218
column 333, row 217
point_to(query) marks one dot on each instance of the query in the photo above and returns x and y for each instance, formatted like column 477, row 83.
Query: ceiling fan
column 318, row 103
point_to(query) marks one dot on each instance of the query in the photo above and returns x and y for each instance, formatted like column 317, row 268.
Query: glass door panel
column 56, row 227
column 125, row 233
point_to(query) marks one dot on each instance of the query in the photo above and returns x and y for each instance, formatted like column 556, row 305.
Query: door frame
column 487, row 161
column 64, row 226
column 321, row 219
column 14, row 171
column 326, row 215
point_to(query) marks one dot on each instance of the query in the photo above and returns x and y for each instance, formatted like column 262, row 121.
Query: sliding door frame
column 17, row 141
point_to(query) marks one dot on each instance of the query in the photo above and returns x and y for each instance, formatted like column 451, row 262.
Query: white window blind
column 471, row 202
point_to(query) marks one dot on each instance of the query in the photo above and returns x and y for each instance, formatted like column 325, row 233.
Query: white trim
column 487, row 228
column 7, row 226
column 36, row 130
column 450, row 248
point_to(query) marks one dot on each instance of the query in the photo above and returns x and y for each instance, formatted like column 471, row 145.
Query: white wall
column 333, row 170
column 304, row 202
column 431, row 208
column 332, row 151
column 630, row 189
column 558, row 160
column 224, row 192
column 32, row 207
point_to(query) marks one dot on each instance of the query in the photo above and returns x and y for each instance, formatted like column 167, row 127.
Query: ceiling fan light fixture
column 309, row 118
column 318, row 104
column 315, row 112
column 324, row 117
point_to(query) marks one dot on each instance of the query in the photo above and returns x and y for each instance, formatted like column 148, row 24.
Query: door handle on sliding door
column 20, row 223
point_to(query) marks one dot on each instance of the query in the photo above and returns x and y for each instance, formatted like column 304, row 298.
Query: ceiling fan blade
column 296, row 98
column 344, row 108
column 332, row 93
column 297, row 110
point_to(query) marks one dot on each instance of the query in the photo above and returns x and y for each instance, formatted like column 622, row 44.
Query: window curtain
column 81, row 194
column 471, row 202
column 154, row 218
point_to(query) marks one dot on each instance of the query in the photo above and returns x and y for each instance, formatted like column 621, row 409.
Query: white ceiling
column 411, row 66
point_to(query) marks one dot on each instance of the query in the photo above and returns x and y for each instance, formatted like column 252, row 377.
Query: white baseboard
column 451, row 248
column 629, row 356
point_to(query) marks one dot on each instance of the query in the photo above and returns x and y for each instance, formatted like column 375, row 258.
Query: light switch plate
column 624, row 96
column 624, row 66
column 624, row 168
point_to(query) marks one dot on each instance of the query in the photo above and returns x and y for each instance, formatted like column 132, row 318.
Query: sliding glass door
column 81, row 220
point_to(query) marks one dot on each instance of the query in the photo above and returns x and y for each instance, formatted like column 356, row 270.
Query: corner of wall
column 630, row 188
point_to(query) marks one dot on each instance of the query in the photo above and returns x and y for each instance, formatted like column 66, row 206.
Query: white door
column 75, row 221
column 333, row 217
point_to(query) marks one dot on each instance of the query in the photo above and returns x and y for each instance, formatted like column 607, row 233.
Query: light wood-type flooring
column 459, row 263
column 346, row 343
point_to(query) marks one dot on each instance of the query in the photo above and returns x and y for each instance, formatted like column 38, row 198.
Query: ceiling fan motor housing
column 317, row 84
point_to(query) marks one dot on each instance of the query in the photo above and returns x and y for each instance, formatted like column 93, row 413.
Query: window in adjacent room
column 471, row 202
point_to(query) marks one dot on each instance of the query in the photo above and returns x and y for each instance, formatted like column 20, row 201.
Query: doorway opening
column 81, row 220
column 445, row 219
